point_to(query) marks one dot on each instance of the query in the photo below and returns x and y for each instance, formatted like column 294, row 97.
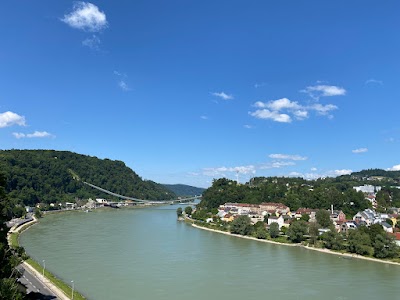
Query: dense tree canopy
column 293, row 192
column 47, row 176
column 8, row 285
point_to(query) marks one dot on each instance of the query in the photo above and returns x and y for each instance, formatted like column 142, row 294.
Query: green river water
column 147, row 254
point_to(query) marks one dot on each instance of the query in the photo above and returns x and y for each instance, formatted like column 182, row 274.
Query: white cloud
column 276, row 165
column 248, row 126
column 282, row 110
column 374, row 82
column 301, row 114
column 258, row 85
column 295, row 174
column 394, row 168
column 318, row 91
column 86, row 16
column 36, row 134
column 314, row 169
column 272, row 115
column 204, row 117
column 92, row 43
column 222, row 95
column 222, row 171
column 360, row 150
column 341, row 172
column 287, row 156
column 124, row 86
column 9, row 118
column 323, row 109
column 281, row 104
column 19, row 135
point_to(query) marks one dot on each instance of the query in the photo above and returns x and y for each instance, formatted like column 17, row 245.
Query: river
column 147, row 254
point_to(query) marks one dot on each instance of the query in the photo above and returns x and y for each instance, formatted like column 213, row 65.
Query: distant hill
column 184, row 190
column 379, row 173
column 47, row 176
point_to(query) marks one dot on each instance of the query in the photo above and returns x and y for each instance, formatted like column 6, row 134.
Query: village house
column 306, row 211
column 368, row 189
column 277, row 208
column 256, row 212
column 278, row 220
column 337, row 216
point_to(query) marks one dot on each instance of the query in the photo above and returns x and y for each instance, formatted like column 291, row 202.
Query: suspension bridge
column 181, row 200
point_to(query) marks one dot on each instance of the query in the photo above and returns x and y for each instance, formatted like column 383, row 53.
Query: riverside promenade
column 46, row 283
column 322, row 250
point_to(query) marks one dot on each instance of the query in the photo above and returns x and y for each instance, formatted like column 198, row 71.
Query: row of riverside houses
column 276, row 212
column 281, row 214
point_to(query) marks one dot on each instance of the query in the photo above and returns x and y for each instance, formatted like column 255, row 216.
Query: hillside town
column 272, row 212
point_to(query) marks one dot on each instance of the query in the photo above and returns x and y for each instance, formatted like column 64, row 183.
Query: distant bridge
column 142, row 200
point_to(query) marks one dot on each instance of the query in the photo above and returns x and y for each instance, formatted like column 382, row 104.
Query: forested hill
column 184, row 190
column 298, row 192
column 47, row 176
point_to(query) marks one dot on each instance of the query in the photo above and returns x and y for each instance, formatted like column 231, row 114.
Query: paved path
column 33, row 284
column 45, row 283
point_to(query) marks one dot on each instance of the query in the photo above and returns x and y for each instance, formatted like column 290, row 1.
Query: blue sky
column 188, row 91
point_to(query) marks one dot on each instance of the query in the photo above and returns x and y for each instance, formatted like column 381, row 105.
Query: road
column 34, row 285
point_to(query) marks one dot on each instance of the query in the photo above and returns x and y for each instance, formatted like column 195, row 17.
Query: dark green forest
column 45, row 176
column 184, row 190
column 298, row 192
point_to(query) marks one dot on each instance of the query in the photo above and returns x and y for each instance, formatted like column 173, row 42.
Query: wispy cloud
column 276, row 165
column 92, row 42
column 249, row 169
column 10, row 118
column 284, row 110
column 394, row 168
column 313, row 175
column 223, row 96
column 36, row 134
column 374, row 82
column 271, row 115
column 258, row 85
column 287, row 156
column 360, row 150
column 223, row 171
column 341, row 172
column 86, row 16
column 318, row 91
column 204, row 117
column 122, row 84
column 248, row 126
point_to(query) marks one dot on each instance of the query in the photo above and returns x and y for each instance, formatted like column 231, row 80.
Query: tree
column 38, row 213
column 274, row 230
column 188, row 210
column 297, row 230
column 374, row 230
column 8, row 259
column 241, row 225
column 266, row 218
column 313, row 231
column 305, row 217
column 261, row 232
column 323, row 218
column 359, row 242
column 179, row 211
column 333, row 240
column 385, row 247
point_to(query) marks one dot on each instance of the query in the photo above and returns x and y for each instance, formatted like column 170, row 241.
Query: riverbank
column 322, row 250
column 55, row 285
